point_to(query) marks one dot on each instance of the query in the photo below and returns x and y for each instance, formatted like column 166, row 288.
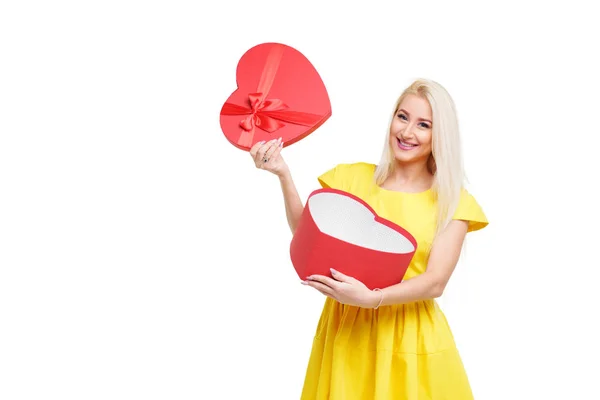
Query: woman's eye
column 401, row 116
column 424, row 125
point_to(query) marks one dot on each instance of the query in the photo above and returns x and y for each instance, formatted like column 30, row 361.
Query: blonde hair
column 445, row 163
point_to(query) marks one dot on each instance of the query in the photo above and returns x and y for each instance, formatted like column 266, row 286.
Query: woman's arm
column 267, row 156
column 430, row 284
column 292, row 201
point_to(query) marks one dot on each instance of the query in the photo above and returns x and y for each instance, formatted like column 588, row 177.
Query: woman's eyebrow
column 420, row 119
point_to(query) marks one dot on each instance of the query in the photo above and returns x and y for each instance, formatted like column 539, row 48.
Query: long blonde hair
column 446, row 162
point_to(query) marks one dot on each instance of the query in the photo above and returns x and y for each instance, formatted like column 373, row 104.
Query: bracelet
column 381, row 299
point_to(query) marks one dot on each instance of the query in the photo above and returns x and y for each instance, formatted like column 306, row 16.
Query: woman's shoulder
column 470, row 210
column 342, row 173
column 356, row 167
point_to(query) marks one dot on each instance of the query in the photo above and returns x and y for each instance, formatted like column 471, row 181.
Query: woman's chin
column 405, row 156
column 409, row 158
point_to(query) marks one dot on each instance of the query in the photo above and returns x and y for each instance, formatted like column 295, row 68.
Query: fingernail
column 304, row 282
column 333, row 271
column 281, row 144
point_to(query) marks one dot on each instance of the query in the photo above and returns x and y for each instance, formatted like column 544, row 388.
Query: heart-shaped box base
column 280, row 94
column 339, row 230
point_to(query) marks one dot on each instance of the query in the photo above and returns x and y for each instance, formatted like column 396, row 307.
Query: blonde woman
column 394, row 343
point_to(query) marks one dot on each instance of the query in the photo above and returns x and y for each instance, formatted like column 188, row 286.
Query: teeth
column 406, row 144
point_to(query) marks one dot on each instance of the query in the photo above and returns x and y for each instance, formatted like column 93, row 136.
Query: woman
column 394, row 343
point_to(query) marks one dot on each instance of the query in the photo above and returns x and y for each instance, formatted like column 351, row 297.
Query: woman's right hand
column 267, row 156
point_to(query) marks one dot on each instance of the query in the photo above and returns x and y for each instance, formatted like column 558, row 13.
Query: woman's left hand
column 344, row 288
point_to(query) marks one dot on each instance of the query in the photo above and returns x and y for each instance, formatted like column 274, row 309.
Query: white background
column 144, row 257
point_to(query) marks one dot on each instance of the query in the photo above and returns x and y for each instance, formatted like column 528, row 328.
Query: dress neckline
column 401, row 192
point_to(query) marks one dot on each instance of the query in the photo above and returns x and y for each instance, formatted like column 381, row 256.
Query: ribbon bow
column 263, row 113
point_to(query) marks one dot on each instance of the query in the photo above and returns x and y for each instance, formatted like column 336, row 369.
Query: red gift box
column 339, row 230
column 280, row 94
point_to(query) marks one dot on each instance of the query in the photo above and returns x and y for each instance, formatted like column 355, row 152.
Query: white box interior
column 348, row 220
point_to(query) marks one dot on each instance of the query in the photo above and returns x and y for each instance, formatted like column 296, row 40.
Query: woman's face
column 411, row 130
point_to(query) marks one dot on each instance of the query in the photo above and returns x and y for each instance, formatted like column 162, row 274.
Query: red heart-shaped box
column 280, row 94
column 339, row 230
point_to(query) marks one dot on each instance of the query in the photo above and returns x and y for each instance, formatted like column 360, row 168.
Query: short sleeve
column 335, row 177
column 469, row 210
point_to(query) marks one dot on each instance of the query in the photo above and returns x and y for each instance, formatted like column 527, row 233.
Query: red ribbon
column 263, row 113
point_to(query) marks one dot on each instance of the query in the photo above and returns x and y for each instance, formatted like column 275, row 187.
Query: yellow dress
column 399, row 352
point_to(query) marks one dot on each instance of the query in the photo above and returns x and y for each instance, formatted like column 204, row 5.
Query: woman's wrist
column 284, row 175
column 376, row 298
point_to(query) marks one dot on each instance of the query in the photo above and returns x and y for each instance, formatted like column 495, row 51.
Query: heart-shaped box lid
column 279, row 94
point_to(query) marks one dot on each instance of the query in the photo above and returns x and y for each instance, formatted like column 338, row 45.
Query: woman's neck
column 410, row 177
